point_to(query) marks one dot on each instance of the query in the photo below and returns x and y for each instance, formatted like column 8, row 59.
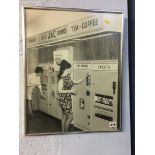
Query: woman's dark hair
column 63, row 65
column 39, row 70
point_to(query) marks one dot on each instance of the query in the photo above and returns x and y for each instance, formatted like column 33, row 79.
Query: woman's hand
column 87, row 75
column 75, row 92
column 43, row 97
column 81, row 80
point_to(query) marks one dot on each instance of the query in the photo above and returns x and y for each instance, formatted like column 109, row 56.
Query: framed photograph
column 73, row 65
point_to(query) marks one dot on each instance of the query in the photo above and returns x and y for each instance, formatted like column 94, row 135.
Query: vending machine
column 49, row 81
column 96, row 107
column 43, row 100
column 105, row 105
column 49, row 103
column 82, row 102
column 54, row 108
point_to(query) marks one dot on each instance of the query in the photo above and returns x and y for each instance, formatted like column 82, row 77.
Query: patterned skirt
column 65, row 101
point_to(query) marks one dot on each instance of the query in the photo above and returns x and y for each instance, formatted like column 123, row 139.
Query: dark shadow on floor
column 44, row 123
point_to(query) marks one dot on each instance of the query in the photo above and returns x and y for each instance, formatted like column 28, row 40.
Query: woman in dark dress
column 65, row 84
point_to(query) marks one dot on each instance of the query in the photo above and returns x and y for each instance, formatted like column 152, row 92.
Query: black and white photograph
column 73, row 70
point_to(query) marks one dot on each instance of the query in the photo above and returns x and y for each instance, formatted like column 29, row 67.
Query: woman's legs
column 68, row 122
column 63, row 121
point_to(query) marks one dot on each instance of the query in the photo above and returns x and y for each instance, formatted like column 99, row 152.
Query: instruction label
column 82, row 66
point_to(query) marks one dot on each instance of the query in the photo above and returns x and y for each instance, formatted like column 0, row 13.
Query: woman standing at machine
column 65, row 84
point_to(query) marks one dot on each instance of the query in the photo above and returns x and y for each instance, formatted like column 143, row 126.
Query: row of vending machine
column 96, row 107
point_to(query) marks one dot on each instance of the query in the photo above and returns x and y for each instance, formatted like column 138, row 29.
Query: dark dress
column 65, row 99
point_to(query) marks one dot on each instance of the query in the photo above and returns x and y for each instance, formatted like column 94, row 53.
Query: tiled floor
column 44, row 123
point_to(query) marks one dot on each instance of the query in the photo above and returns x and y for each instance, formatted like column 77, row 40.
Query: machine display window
column 104, row 99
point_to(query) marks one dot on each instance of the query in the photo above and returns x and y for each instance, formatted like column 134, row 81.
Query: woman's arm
column 60, row 88
column 40, row 88
column 78, row 81
column 38, row 83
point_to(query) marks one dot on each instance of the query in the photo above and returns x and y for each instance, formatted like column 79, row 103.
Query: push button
column 114, row 87
column 87, row 92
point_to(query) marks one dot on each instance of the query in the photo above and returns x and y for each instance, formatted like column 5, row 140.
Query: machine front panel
column 105, row 102
column 54, row 107
column 82, row 101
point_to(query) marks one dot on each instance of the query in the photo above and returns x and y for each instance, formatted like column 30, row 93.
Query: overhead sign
column 32, row 41
column 54, row 34
column 90, row 24
column 93, row 24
